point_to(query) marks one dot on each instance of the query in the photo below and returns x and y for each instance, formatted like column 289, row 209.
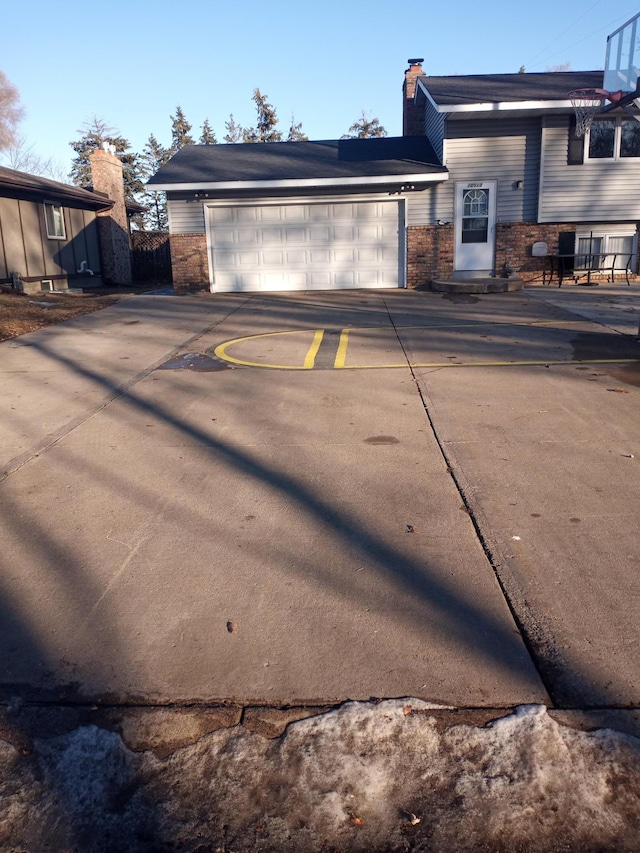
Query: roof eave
column 495, row 106
column 505, row 106
column 421, row 177
column 12, row 190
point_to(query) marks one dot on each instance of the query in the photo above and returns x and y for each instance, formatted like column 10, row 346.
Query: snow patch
column 351, row 779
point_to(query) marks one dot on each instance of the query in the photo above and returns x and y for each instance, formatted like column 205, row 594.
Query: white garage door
column 322, row 246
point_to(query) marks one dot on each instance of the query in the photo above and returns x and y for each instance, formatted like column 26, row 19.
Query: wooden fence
column 150, row 256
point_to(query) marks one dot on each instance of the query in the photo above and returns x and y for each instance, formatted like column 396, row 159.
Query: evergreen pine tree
column 365, row 128
column 296, row 134
column 207, row 137
column 96, row 133
column 234, row 130
column 265, row 130
column 153, row 157
column 180, row 132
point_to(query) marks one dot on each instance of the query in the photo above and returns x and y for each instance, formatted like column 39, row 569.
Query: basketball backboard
column 623, row 58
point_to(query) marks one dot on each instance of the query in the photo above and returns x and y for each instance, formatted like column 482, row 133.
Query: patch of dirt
column 21, row 313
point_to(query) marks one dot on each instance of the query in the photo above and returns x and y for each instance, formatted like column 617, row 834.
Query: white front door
column 475, row 227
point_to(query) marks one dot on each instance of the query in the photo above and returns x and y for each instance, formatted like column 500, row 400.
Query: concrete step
column 476, row 285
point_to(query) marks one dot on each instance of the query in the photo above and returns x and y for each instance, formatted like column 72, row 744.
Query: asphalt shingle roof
column 23, row 185
column 273, row 161
column 501, row 88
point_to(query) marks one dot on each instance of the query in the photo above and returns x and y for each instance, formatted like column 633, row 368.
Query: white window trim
column 617, row 142
column 52, row 204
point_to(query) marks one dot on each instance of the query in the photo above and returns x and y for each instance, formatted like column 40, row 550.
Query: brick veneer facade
column 189, row 263
column 429, row 253
column 514, row 241
column 430, row 249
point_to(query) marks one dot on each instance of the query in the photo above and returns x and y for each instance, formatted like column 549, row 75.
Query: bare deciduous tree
column 24, row 158
column 11, row 112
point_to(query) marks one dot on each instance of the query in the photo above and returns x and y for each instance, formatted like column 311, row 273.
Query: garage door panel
column 344, row 233
column 295, row 235
column 250, row 260
column 318, row 235
column 368, row 211
column 344, row 256
column 296, row 256
column 345, row 278
column 226, row 259
column 365, row 256
column 305, row 246
column 247, row 214
column 320, row 280
column 270, row 214
column 273, row 259
column 271, row 237
column 247, row 236
column 319, row 212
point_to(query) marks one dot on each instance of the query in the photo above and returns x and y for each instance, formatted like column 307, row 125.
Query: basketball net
column 587, row 103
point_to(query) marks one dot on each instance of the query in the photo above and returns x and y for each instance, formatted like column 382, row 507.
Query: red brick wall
column 514, row 241
column 429, row 253
column 430, row 249
column 189, row 263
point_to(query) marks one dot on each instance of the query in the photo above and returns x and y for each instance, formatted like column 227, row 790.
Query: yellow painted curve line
column 343, row 345
column 309, row 359
column 312, row 352
column 341, row 352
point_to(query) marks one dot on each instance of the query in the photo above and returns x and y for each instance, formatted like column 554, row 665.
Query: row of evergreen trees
column 138, row 168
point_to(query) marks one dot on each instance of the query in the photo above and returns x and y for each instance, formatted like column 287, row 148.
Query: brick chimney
column 412, row 116
column 113, row 225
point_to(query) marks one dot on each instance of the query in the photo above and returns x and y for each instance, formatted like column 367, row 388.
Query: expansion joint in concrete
column 538, row 641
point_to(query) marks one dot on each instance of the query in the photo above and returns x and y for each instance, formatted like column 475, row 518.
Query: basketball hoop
column 587, row 103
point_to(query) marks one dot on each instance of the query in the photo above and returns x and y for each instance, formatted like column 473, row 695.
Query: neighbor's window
column 55, row 221
column 614, row 138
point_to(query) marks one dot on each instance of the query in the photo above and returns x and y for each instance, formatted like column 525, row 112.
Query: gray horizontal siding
column 499, row 150
column 434, row 128
column 423, row 207
column 185, row 217
column 596, row 191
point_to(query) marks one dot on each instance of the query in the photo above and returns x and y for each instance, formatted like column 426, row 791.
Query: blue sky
column 130, row 63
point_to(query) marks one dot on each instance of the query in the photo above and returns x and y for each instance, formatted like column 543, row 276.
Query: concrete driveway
column 422, row 495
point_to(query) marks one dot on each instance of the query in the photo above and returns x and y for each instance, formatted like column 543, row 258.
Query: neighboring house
column 48, row 233
column 487, row 166
column 55, row 236
column 519, row 174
